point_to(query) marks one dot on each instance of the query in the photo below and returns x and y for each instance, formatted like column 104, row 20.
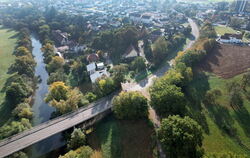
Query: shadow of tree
column 243, row 117
column 5, row 112
column 221, row 117
column 195, row 93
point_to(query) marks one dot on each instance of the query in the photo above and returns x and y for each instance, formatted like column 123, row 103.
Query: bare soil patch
column 227, row 60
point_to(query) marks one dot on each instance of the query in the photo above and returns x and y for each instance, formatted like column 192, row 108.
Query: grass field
column 221, row 30
column 213, row 118
column 122, row 139
column 7, row 44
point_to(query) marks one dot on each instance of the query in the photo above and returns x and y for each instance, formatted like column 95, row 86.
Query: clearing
column 220, row 119
column 7, row 45
column 227, row 60
column 221, row 30
column 114, row 138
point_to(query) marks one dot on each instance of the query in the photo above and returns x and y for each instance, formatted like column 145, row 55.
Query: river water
column 42, row 111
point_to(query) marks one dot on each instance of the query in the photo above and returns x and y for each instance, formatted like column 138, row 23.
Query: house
column 91, row 68
column 98, row 74
column 92, row 57
column 100, row 66
column 231, row 38
column 62, row 49
column 146, row 19
column 130, row 53
column 135, row 17
column 60, row 37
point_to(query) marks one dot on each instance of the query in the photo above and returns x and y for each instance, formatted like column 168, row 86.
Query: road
column 47, row 129
column 143, row 86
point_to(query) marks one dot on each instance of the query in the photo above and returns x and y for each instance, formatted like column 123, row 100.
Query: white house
column 98, row 74
column 231, row 38
column 91, row 68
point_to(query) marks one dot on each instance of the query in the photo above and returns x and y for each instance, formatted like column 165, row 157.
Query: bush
column 130, row 105
column 14, row 127
column 77, row 139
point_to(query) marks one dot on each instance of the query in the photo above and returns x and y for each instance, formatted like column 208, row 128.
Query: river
column 42, row 111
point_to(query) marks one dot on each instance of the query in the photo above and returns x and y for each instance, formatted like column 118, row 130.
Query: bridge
column 89, row 115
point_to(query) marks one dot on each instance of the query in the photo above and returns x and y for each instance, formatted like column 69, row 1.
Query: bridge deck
column 50, row 128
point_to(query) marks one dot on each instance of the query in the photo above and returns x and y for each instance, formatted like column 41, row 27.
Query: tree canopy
column 130, row 105
column 181, row 137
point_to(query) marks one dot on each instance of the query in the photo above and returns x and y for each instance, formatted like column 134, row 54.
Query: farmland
column 227, row 60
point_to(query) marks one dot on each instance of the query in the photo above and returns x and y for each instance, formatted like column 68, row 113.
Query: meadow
column 7, row 44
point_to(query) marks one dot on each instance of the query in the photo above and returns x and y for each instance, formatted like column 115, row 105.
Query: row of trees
column 19, row 87
column 180, row 135
column 161, row 48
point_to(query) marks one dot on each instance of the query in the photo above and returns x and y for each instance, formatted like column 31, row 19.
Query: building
column 93, row 58
column 135, row 17
column 231, row 38
column 100, row 66
column 98, row 74
column 91, row 68
column 60, row 37
column 242, row 6
column 130, row 53
column 146, row 19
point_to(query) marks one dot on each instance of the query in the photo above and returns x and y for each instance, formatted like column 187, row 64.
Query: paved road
column 47, row 129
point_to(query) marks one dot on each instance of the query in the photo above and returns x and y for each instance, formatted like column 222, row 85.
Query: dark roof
column 92, row 57
column 228, row 35
column 146, row 17
column 135, row 14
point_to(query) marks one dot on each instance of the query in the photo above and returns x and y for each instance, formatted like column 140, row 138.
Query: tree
column 17, row 92
column 160, row 50
column 22, row 51
column 55, row 64
column 79, row 71
column 18, row 154
column 119, row 72
column 57, row 76
column 181, row 137
column 105, row 86
column 77, row 139
column 91, row 97
column 130, row 105
column 70, row 103
column 14, row 127
column 23, row 110
column 57, row 91
column 24, row 65
column 224, row 155
column 82, row 152
column 167, row 99
column 48, row 52
column 138, row 64
column 245, row 81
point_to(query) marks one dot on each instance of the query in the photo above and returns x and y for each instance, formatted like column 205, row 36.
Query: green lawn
column 7, row 44
column 221, row 30
column 122, row 139
column 213, row 118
